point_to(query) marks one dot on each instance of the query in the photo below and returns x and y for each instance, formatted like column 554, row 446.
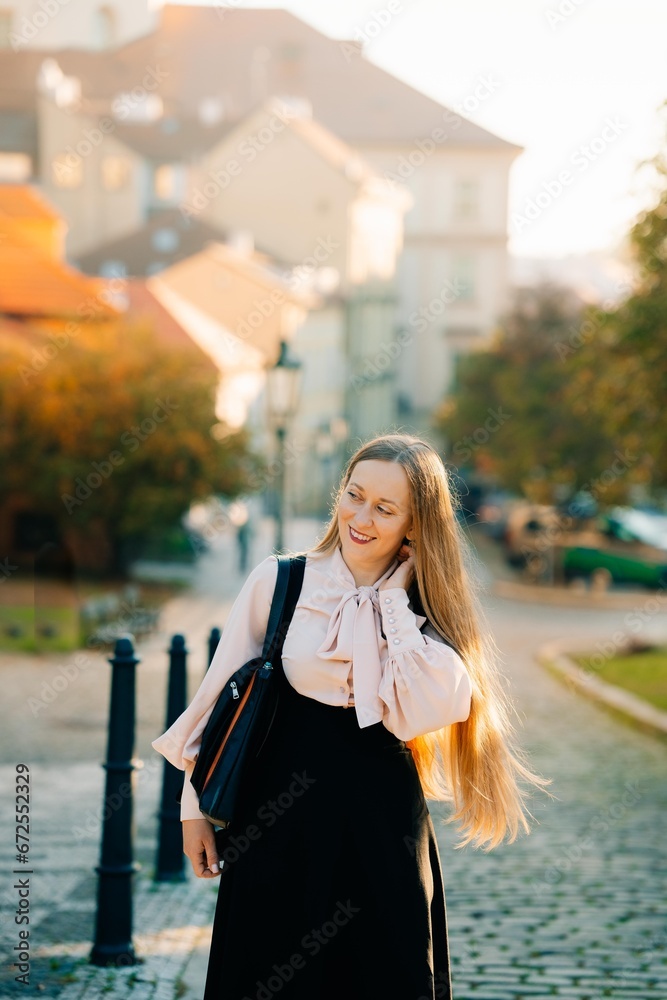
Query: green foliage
column 539, row 440
column 581, row 390
column 630, row 380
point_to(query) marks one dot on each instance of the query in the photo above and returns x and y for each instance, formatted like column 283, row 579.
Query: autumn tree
column 619, row 377
column 115, row 432
column 510, row 409
column 571, row 397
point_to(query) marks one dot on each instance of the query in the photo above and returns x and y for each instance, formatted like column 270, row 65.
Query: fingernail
column 214, row 868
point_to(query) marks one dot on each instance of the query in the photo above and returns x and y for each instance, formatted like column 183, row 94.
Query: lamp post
column 283, row 382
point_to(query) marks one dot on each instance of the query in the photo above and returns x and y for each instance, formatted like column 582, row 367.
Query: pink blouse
column 349, row 646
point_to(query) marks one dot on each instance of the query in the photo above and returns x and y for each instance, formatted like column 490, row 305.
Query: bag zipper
column 231, row 726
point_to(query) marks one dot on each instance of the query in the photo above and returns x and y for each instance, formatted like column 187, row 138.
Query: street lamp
column 283, row 382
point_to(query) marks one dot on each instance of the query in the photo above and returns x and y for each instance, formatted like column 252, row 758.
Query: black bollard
column 213, row 640
column 169, row 866
column 113, row 924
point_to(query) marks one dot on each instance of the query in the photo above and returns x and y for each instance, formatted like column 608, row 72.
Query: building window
column 463, row 278
column 167, row 182
column 67, row 170
column 466, row 198
column 15, row 168
column 113, row 269
column 115, row 172
column 463, row 337
column 165, row 240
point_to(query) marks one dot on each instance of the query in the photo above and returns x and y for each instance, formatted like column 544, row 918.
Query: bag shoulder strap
column 285, row 596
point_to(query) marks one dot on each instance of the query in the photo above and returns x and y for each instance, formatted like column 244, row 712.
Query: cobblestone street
column 575, row 910
column 578, row 908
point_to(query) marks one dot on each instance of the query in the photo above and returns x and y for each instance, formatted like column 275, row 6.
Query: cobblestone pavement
column 54, row 718
column 577, row 909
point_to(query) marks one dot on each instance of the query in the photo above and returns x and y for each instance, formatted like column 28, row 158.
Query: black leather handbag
column 244, row 712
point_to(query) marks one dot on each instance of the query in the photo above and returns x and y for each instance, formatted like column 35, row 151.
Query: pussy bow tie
column 353, row 635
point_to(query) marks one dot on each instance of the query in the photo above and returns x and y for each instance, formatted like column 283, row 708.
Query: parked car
column 625, row 545
column 530, row 532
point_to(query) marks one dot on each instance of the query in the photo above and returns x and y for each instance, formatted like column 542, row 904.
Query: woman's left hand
column 404, row 573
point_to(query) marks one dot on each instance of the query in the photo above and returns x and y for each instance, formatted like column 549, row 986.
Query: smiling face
column 374, row 516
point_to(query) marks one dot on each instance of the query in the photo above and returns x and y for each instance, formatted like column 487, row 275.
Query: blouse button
column 392, row 621
column 393, row 631
column 396, row 642
column 387, row 600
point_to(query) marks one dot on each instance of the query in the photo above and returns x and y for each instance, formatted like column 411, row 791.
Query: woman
column 331, row 882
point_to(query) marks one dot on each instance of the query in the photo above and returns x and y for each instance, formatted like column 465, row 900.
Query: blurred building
column 248, row 124
column 45, row 306
column 25, row 24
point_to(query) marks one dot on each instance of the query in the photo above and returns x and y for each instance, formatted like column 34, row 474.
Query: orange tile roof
column 33, row 280
column 201, row 52
column 144, row 305
column 35, row 285
column 21, row 201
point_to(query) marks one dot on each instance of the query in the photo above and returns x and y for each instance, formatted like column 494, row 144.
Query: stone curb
column 564, row 597
column 555, row 656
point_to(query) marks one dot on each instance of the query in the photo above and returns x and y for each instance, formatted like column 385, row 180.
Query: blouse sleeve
column 242, row 639
column 425, row 684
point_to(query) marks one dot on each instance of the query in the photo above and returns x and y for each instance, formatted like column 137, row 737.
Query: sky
column 576, row 83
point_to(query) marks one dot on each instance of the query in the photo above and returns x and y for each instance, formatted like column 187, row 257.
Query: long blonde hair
column 473, row 764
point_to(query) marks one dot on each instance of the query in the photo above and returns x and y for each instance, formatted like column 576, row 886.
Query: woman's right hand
column 199, row 846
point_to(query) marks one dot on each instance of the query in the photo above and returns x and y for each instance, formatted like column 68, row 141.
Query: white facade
column 452, row 281
column 75, row 24
column 96, row 181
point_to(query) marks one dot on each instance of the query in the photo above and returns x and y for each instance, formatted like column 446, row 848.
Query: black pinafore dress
column 331, row 885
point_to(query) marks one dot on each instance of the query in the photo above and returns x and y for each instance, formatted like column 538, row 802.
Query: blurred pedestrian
column 332, row 885
column 240, row 517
